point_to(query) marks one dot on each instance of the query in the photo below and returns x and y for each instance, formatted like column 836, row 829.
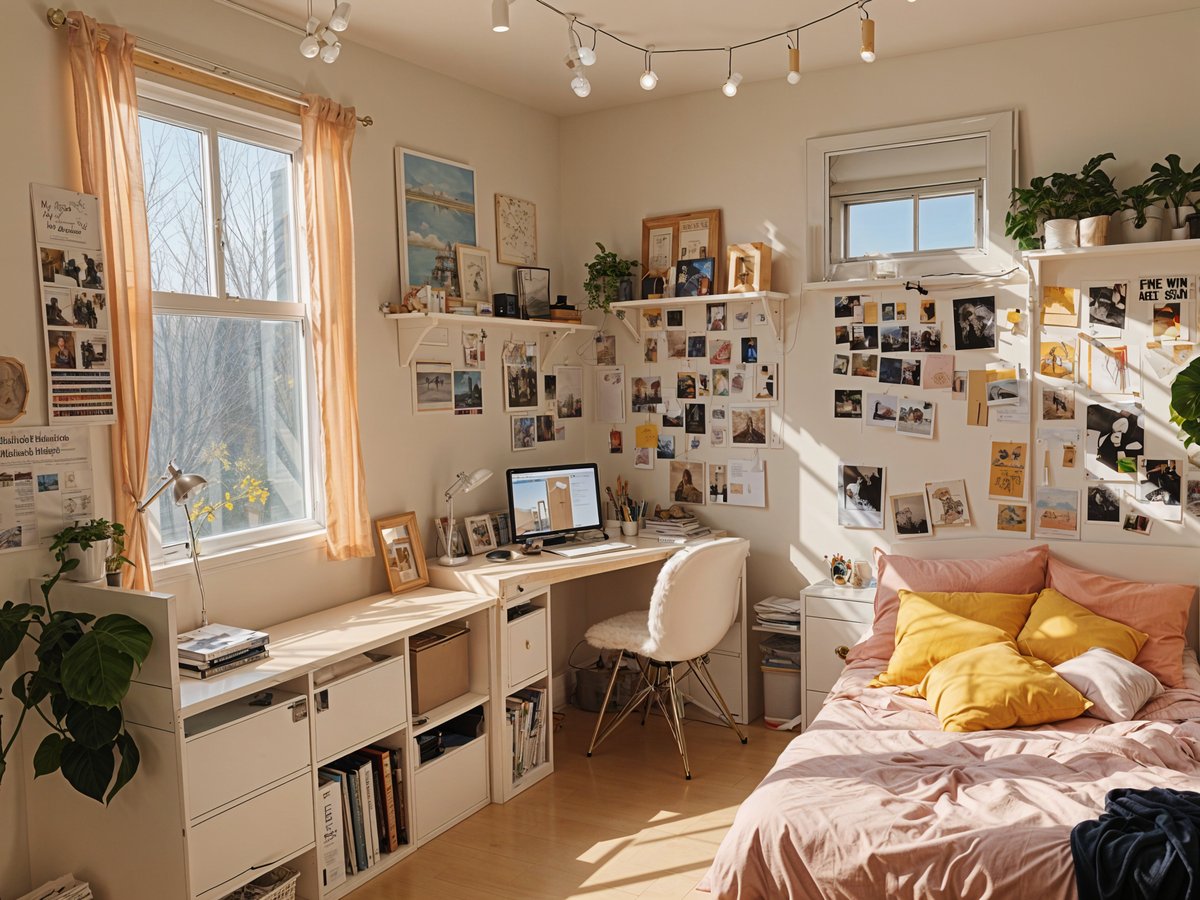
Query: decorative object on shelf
column 14, row 389
column 1140, row 217
column 87, row 545
column 516, row 231
column 84, row 667
column 609, row 280
column 1175, row 184
column 839, row 568
column 506, row 306
column 533, row 292
column 1098, row 200
column 749, row 267
column 403, row 557
column 668, row 238
column 695, row 277
column 474, row 273
column 464, row 483
column 441, row 194
column 1047, row 207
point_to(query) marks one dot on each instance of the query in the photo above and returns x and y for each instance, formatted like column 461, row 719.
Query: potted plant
column 1044, row 214
column 1175, row 184
column 116, row 559
column 88, row 545
column 1098, row 200
column 1061, row 228
column 82, row 669
column 1140, row 216
column 610, row 279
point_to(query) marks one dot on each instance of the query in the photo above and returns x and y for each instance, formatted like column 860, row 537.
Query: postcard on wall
column 1106, row 303
column 1002, row 386
column 521, row 383
column 847, row 404
column 1006, row 472
column 1159, row 489
column 1104, row 368
column 1058, row 404
column 1056, row 513
column 910, row 515
column 1193, row 492
column 975, row 323
column 569, row 392
column 643, row 457
column 1116, row 439
column 740, row 482
column 881, row 410
column 938, row 372
column 1060, row 306
column 610, row 394
column 1138, row 523
column 1012, row 518
column 1168, row 322
column 646, row 393
column 748, row 425
column 468, row 392
column 915, row 418
column 433, row 387
column 948, row 503
column 1057, row 359
column 1103, row 504
column 687, row 480
column 1166, row 288
column 45, row 483
column 860, row 496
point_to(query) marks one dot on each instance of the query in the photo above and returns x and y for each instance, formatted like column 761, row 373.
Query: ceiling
column 454, row 37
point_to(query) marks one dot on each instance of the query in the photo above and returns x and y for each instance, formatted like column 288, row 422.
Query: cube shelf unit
column 525, row 663
column 228, row 781
column 413, row 328
column 770, row 302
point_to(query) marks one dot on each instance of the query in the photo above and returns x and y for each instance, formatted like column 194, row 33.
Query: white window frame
column 212, row 117
column 839, row 214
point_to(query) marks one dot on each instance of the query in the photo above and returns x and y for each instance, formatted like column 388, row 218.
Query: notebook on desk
column 573, row 552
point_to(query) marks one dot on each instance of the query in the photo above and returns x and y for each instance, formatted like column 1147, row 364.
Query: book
column 370, row 814
column 361, row 858
column 339, row 778
column 253, row 656
column 208, row 642
column 332, row 852
column 221, row 660
column 382, row 762
column 398, row 792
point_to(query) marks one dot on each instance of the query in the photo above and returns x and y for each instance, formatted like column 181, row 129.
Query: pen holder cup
column 630, row 529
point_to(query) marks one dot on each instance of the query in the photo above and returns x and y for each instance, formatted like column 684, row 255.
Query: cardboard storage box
column 440, row 666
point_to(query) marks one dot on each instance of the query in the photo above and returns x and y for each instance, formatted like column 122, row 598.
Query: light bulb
column 868, row 41
column 587, row 56
column 500, row 15
column 649, row 80
column 793, row 75
column 330, row 52
column 340, row 19
column 729, row 88
column 310, row 46
column 581, row 86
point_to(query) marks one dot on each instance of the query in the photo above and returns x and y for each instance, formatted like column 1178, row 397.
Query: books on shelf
column 374, row 815
column 211, row 643
column 64, row 888
column 189, row 669
column 332, row 846
column 526, row 727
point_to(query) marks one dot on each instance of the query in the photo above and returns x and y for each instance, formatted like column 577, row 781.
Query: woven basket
column 278, row 884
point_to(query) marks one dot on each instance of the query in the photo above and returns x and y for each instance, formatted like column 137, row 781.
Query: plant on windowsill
column 249, row 489
column 1098, row 200
column 610, row 279
column 1140, row 216
column 1175, row 184
column 83, row 669
column 1045, row 214
column 116, row 558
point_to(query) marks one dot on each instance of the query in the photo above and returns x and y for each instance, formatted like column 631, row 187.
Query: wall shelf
column 414, row 327
column 770, row 301
column 1191, row 246
column 929, row 282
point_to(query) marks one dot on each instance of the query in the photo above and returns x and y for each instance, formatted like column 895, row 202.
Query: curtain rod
column 168, row 57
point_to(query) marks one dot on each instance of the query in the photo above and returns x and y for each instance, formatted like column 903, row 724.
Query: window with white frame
column 922, row 219
column 232, row 385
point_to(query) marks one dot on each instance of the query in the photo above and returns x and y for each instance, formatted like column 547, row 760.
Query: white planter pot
column 1151, row 231
column 1177, row 217
column 1060, row 233
column 1181, row 234
column 91, row 562
column 1093, row 231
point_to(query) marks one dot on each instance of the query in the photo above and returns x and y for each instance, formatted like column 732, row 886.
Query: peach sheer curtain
column 110, row 155
column 327, row 131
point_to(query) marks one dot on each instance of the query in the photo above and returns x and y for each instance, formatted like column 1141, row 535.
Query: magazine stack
column 214, row 649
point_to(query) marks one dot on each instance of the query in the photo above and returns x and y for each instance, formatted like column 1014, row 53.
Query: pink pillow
column 1160, row 610
column 1023, row 572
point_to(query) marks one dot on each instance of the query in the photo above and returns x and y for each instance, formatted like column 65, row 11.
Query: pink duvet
column 875, row 801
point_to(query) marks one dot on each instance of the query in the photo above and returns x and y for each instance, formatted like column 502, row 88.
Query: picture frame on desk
column 403, row 556
column 480, row 536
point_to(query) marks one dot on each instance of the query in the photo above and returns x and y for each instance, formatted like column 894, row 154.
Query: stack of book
column 361, row 803
column 65, row 888
column 565, row 314
column 526, row 728
column 214, row 649
column 779, row 612
column 678, row 531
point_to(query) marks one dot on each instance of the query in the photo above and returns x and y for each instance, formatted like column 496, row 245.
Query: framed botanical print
column 435, row 203
column 474, row 273
column 400, row 544
column 516, row 231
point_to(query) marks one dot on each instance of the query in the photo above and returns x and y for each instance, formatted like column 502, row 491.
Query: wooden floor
column 622, row 824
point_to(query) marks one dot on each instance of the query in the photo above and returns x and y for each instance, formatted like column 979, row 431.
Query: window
column 231, row 338
column 918, row 220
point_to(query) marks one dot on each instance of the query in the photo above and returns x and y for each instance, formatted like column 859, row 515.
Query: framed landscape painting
column 435, row 203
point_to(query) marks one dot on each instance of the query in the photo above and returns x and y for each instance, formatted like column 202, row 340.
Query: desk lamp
column 184, row 486
column 463, row 484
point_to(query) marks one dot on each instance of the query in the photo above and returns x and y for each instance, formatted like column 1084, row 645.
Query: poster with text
column 45, row 483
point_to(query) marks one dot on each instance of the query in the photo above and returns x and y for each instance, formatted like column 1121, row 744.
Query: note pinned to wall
column 738, row 482
column 977, row 396
column 646, row 435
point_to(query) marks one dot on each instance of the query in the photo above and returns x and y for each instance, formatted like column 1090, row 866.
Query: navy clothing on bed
column 1146, row 844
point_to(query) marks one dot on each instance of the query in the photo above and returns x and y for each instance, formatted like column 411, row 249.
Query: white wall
column 747, row 156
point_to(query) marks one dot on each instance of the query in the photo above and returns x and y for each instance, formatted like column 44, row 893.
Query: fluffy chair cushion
column 628, row 631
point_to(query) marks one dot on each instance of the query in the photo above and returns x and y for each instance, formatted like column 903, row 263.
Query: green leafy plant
column 1097, row 191
column 605, row 272
column 1185, row 402
column 1173, row 183
column 1139, row 198
column 1055, row 196
column 116, row 553
column 84, row 667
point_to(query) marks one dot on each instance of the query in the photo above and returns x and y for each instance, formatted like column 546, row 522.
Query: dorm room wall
column 409, row 459
column 1077, row 93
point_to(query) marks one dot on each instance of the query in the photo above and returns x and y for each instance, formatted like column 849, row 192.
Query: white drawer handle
column 841, row 651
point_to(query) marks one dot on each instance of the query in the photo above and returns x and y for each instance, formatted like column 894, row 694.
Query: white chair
column 695, row 600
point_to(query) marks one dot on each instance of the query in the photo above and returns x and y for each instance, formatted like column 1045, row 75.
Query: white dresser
column 834, row 620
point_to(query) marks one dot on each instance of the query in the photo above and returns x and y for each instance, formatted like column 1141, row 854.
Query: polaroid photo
column 720, row 351
column 749, row 425
column 881, row 410
column 715, row 316
column 910, row 515
column 1106, row 303
column 915, row 418
column 740, row 317
column 524, row 432
column 674, row 319
column 925, row 339
column 864, row 365
column 862, row 337
column 860, row 496
column 910, row 372
column 687, row 481
column 1056, row 513
column 841, row 364
column 891, row 370
column 847, row 404
column 893, row 338
column 1137, row 523
column 1012, row 518
column 737, row 381
column 1058, row 404
column 1103, row 504
column 948, row 503
column 887, row 312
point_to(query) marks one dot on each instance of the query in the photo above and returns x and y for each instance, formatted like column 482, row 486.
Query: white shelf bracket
column 556, row 338
column 624, row 320
column 773, row 312
column 409, row 337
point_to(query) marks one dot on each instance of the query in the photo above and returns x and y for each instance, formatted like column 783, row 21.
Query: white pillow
column 1116, row 687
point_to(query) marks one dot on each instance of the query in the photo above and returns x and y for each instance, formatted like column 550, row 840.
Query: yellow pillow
column 932, row 626
column 995, row 687
column 1060, row 629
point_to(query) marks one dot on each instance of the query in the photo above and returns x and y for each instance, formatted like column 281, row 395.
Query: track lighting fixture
column 580, row 85
column 322, row 40
column 867, row 51
column 729, row 88
column 649, row 80
column 500, row 15
column 793, row 75
column 311, row 45
column 332, row 49
column 340, row 20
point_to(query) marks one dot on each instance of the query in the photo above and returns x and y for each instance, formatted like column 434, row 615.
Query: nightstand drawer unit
column 835, row 618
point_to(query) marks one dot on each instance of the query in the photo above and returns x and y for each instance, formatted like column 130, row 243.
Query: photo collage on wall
column 1105, row 469
column 74, row 300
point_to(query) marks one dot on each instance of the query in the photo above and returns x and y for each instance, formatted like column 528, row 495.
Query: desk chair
column 695, row 601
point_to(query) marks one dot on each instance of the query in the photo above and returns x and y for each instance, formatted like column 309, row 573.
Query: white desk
column 524, row 657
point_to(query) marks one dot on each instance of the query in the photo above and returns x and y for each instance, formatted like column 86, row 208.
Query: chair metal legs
column 660, row 687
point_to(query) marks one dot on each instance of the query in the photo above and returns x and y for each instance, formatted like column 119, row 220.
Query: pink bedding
column 875, row 801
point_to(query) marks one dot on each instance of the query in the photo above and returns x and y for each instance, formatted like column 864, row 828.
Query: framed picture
column 474, row 273
column 400, row 544
column 749, row 267
column 14, row 389
column 695, row 277
column 433, row 386
column 666, row 239
column 480, row 536
column 516, row 231
column 435, row 203
column 524, row 432
column 533, row 292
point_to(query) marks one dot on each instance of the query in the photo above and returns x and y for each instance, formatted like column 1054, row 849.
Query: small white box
column 782, row 694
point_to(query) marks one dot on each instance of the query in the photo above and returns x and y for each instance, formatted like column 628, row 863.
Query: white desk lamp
column 184, row 486
column 463, row 484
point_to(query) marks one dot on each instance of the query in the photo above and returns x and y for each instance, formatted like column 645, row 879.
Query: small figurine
column 839, row 569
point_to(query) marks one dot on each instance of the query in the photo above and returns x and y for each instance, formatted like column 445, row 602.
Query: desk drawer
column 253, row 836
column 822, row 639
column 526, row 647
column 240, row 748
column 359, row 707
column 839, row 608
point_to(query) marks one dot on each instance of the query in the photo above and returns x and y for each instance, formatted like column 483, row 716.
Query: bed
column 875, row 800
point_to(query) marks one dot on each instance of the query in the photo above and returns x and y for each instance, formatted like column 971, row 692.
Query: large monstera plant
column 83, row 668
column 1185, row 402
